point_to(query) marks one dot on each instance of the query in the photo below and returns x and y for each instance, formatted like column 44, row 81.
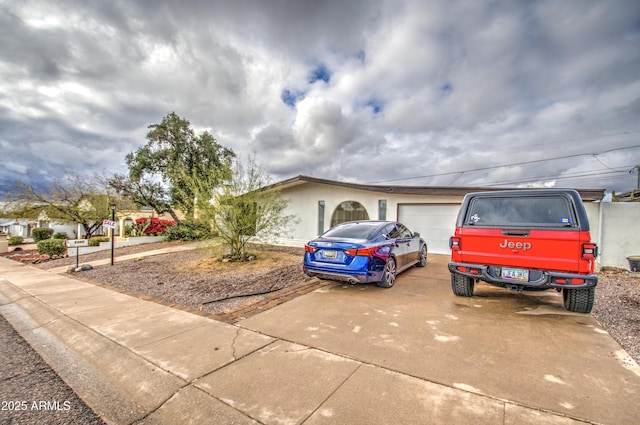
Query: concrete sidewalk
column 133, row 360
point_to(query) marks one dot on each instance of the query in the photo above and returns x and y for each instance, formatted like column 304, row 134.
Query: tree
column 74, row 199
column 245, row 209
column 157, row 170
column 144, row 192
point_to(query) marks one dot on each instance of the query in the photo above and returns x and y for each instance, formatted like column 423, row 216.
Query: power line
column 557, row 142
column 575, row 175
column 507, row 165
column 590, row 176
column 605, row 165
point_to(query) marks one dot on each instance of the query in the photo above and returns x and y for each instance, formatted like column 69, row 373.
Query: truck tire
column 579, row 300
column 461, row 285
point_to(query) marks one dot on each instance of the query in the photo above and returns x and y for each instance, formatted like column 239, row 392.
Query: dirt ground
column 194, row 279
column 617, row 308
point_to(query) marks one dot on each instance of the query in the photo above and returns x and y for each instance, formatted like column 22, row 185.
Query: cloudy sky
column 432, row 92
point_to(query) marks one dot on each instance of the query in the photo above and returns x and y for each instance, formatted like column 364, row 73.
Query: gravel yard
column 617, row 308
column 195, row 279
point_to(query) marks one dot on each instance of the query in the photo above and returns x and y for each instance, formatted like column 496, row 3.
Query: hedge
column 15, row 240
column 41, row 233
column 96, row 241
column 52, row 247
column 189, row 230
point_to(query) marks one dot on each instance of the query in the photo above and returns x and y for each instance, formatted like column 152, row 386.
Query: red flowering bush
column 153, row 226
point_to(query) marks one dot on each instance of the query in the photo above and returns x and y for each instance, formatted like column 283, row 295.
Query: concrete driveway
column 523, row 348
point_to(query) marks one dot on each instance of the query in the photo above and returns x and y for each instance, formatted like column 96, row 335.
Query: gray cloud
column 407, row 89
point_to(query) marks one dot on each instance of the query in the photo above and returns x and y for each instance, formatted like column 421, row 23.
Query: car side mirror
column 416, row 235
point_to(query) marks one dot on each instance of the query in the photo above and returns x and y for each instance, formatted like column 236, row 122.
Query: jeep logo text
column 517, row 245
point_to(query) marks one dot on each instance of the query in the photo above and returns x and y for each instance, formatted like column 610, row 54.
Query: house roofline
column 585, row 194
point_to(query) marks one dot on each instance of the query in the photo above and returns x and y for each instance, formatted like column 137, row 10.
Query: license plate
column 330, row 254
column 516, row 274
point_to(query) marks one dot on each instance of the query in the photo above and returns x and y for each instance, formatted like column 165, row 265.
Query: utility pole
column 636, row 169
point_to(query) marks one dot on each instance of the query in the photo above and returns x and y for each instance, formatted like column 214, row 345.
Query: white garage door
column 434, row 222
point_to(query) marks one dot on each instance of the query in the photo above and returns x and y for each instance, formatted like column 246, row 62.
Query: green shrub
column 41, row 233
column 190, row 230
column 52, row 247
column 129, row 231
column 96, row 241
column 60, row 235
column 16, row 240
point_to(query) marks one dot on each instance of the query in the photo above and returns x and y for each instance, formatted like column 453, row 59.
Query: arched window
column 349, row 211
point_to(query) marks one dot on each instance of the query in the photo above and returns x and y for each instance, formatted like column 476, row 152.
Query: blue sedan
column 365, row 251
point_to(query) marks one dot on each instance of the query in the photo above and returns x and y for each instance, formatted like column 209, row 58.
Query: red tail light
column 454, row 243
column 589, row 251
column 309, row 248
column 361, row 252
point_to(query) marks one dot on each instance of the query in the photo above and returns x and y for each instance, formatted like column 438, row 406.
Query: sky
column 518, row 93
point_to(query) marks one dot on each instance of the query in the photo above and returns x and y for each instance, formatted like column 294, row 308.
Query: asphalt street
column 30, row 391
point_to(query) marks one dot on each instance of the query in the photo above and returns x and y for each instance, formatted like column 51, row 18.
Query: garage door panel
column 434, row 222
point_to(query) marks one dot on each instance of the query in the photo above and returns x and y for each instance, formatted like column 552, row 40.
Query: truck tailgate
column 558, row 250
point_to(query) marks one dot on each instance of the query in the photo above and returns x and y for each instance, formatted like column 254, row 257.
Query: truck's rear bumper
column 542, row 278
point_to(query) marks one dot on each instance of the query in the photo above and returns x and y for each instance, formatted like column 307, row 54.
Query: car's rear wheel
column 390, row 272
column 579, row 300
column 461, row 285
column 422, row 258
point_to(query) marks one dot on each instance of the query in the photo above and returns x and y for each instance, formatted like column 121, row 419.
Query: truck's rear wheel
column 579, row 300
column 461, row 285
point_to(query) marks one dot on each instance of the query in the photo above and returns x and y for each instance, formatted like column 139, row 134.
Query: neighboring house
column 24, row 227
column 17, row 227
column 320, row 204
column 127, row 218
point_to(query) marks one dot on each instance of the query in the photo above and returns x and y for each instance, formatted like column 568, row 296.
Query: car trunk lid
column 334, row 252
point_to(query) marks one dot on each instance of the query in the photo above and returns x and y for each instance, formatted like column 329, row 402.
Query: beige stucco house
column 432, row 211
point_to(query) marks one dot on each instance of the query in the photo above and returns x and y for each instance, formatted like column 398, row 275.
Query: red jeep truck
column 532, row 239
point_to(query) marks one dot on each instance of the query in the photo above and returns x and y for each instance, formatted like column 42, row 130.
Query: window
column 522, row 211
column 349, row 211
column 353, row 231
column 320, row 217
column 391, row 231
column 404, row 232
column 382, row 209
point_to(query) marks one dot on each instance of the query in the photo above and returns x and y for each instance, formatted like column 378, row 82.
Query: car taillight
column 589, row 251
column 454, row 243
column 309, row 248
column 361, row 252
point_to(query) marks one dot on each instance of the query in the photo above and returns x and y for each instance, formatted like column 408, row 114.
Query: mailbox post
column 77, row 243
